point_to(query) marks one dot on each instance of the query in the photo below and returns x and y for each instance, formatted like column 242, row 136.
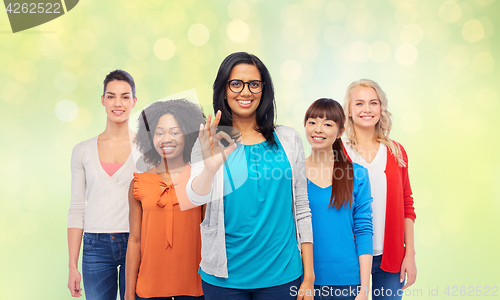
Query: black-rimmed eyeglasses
column 237, row 86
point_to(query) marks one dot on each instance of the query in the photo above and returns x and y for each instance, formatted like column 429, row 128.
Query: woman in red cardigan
column 367, row 128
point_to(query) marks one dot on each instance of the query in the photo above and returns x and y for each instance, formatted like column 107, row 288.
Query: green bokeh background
column 438, row 61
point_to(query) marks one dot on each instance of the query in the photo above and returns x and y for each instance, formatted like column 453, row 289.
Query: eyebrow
column 158, row 127
column 126, row 93
column 375, row 99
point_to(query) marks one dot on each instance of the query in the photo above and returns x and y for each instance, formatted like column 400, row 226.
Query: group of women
column 228, row 206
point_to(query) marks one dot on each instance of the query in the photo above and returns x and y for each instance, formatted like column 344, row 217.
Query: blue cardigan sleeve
column 362, row 214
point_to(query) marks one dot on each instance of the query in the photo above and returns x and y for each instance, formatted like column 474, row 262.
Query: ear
column 341, row 133
column 102, row 100
column 135, row 102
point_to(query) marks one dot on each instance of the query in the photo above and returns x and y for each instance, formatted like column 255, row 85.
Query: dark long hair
column 265, row 113
column 343, row 175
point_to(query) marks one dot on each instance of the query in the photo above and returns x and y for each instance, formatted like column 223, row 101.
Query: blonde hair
column 383, row 126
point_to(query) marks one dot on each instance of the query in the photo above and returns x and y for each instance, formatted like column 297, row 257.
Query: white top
column 99, row 202
column 378, row 183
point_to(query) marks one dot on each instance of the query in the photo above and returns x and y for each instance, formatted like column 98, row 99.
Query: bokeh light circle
column 473, row 31
column 238, row 31
column 483, row 63
column 290, row 70
column 198, row 34
column 406, row 54
column 412, row 34
column 164, row 49
column 406, row 14
column 450, row 12
column 66, row 110
column 238, row 10
column 336, row 11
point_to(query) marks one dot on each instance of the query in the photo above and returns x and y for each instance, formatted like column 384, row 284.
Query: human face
column 364, row 107
column 118, row 100
column 243, row 104
column 168, row 139
column 321, row 133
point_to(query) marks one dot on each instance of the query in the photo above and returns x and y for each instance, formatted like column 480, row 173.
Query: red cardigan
column 399, row 206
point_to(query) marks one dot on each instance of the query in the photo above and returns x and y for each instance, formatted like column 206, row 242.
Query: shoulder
column 403, row 151
column 83, row 147
column 285, row 130
column 86, row 144
column 360, row 172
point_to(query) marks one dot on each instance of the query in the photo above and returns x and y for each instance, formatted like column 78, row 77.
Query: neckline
column 99, row 165
column 185, row 173
column 380, row 148
column 323, row 188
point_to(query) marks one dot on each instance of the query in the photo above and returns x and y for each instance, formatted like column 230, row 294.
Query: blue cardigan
column 341, row 235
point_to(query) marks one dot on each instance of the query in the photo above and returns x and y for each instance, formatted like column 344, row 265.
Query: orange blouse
column 170, row 238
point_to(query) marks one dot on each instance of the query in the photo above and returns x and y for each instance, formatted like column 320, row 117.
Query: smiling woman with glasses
column 257, row 237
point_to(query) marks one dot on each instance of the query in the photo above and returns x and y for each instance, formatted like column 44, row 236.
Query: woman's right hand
column 74, row 280
column 214, row 155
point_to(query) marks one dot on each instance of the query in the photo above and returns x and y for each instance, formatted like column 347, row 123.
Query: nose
column 246, row 89
column 318, row 128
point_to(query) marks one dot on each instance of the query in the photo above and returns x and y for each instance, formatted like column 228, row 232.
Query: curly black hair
column 187, row 114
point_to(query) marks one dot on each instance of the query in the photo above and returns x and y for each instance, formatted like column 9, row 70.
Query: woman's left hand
column 306, row 290
column 361, row 296
column 409, row 268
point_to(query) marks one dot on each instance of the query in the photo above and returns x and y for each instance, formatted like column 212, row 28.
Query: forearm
column 365, row 269
column 202, row 184
column 409, row 237
column 132, row 263
column 307, row 261
column 74, row 244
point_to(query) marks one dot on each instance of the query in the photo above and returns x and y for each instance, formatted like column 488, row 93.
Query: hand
column 409, row 268
column 362, row 296
column 306, row 290
column 74, row 280
column 210, row 146
column 129, row 296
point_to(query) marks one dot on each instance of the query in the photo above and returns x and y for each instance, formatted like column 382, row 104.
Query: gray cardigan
column 213, row 249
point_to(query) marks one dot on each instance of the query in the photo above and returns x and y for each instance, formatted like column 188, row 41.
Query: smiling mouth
column 168, row 149
column 318, row 138
column 118, row 112
column 367, row 117
column 245, row 103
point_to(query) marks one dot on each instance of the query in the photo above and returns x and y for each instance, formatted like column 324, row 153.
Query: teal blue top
column 261, row 245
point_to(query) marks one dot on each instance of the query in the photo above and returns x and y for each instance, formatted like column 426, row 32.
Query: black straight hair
column 119, row 75
column 266, row 112
column 343, row 184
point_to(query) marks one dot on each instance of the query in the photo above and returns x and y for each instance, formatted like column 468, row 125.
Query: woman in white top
column 368, row 126
column 101, row 171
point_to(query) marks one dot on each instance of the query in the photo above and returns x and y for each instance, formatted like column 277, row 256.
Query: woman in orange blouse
column 164, row 245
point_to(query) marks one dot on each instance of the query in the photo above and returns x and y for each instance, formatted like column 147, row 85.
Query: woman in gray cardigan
column 256, row 235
